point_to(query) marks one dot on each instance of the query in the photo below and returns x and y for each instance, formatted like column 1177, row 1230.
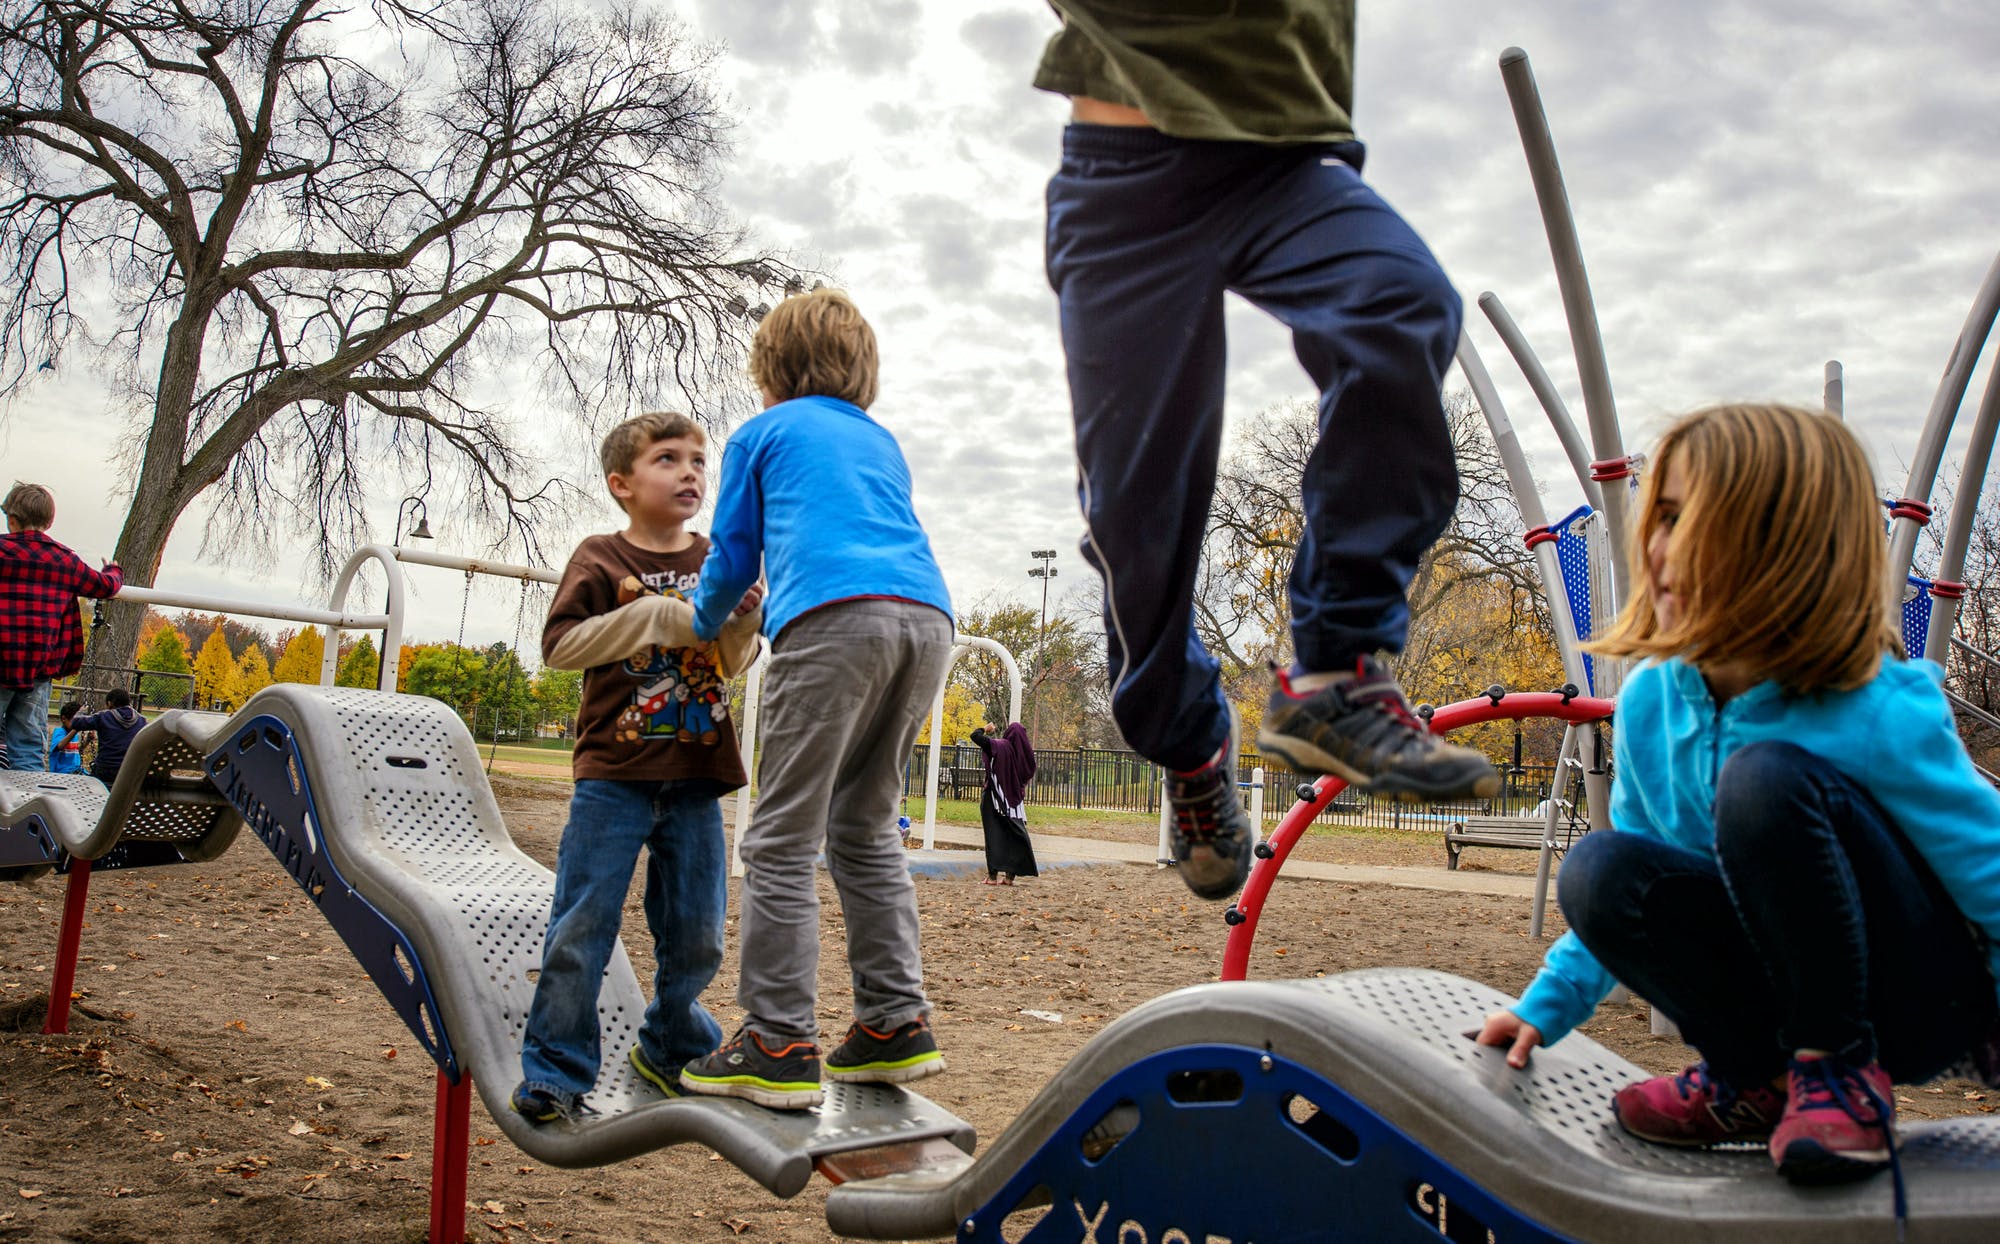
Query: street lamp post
column 1044, row 572
column 422, row 531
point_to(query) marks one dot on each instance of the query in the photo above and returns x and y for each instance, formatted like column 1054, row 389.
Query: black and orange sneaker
column 785, row 1078
column 1361, row 728
column 894, row 1057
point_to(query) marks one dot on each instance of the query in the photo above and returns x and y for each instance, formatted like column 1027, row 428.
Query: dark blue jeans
column 1145, row 234
column 1814, row 925
column 687, row 878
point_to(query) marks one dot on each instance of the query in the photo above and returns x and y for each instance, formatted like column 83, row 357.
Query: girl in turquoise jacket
column 1805, row 869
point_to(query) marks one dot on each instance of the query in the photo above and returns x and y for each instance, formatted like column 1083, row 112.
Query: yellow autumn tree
column 215, row 678
column 962, row 713
column 299, row 662
column 253, row 673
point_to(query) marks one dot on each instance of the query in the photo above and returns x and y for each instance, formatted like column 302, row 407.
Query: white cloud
column 1758, row 188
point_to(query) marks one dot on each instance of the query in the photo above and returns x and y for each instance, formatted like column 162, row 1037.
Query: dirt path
column 233, row 1075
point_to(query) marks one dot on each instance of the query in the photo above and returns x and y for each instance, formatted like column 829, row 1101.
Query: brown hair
column 816, row 344
column 30, row 505
column 1777, row 553
column 624, row 443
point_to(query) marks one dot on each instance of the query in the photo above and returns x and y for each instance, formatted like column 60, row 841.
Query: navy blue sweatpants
column 1145, row 233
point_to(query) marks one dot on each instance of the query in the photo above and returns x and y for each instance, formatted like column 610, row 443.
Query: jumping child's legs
column 608, row 822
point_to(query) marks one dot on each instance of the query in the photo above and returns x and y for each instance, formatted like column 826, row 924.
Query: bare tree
column 325, row 233
column 1242, row 606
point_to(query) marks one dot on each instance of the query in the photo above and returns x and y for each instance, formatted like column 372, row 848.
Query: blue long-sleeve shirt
column 821, row 494
column 1894, row 737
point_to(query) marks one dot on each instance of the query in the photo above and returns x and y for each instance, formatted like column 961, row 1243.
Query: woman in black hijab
column 1010, row 764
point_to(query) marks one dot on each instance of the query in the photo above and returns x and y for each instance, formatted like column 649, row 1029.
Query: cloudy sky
column 1759, row 188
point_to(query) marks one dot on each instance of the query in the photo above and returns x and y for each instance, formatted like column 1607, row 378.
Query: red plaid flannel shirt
column 41, row 632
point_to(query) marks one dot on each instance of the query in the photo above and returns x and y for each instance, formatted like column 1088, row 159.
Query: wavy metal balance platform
column 1356, row 1108
column 376, row 805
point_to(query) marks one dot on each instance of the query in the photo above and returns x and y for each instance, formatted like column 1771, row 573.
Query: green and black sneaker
column 668, row 1084
column 894, row 1057
column 785, row 1078
column 1361, row 728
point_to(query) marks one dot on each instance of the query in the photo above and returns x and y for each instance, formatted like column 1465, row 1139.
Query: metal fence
column 1120, row 781
column 149, row 688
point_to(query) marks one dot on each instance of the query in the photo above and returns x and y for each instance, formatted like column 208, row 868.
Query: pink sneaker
column 1695, row 1108
column 1838, row 1122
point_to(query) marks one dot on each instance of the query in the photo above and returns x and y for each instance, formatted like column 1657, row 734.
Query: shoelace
column 1387, row 694
column 1197, row 815
column 1826, row 1082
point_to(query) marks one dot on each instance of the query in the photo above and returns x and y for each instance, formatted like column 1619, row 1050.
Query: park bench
column 1521, row 833
column 967, row 782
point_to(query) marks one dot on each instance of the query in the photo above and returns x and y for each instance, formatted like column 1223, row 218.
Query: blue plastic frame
column 1242, row 1168
column 262, row 773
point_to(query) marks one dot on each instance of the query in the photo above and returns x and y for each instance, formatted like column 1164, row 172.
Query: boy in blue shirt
column 642, row 778
column 66, row 744
column 861, row 636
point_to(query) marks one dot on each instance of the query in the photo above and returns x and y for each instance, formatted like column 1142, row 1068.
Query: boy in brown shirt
column 655, row 752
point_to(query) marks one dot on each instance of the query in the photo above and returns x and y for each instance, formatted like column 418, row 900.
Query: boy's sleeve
column 584, row 592
column 96, row 584
column 736, row 541
column 82, row 722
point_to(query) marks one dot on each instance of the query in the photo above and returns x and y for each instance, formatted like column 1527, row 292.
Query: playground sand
column 232, row 1074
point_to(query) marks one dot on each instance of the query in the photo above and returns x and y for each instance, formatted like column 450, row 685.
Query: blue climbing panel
column 1573, row 557
column 1916, row 616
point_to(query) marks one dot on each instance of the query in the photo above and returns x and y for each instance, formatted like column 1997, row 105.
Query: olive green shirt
column 1269, row 71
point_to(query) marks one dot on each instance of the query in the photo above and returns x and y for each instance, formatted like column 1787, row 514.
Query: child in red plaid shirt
column 41, row 633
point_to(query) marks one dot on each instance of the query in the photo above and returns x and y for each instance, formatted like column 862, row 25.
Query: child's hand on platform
column 1508, row 1029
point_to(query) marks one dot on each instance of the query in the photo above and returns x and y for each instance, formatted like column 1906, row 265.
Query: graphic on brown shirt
column 680, row 696
column 663, row 714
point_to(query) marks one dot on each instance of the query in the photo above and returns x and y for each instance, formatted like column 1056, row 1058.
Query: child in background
column 66, row 745
column 41, row 634
column 861, row 634
column 115, row 728
column 1805, row 875
column 642, row 780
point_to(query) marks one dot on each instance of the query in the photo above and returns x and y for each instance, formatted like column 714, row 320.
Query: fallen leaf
column 319, row 1082
column 29, row 1194
column 238, row 1025
column 737, row 1226
column 397, row 1157
column 300, row 1129
column 390, row 1052
column 495, row 1207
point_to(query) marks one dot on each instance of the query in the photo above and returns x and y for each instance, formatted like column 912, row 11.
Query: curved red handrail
column 1507, row 706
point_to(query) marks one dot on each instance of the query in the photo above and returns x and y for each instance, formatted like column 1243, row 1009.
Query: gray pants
column 846, row 692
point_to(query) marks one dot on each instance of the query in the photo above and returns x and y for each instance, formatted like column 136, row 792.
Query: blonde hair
column 624, row 443
column 30, row 505
column 816, row 344
column 1777, row 554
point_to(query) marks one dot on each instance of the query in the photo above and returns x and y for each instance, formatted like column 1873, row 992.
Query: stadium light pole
column 1044, row 572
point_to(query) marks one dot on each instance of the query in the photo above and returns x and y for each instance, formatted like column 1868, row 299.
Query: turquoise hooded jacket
column 1894, row 736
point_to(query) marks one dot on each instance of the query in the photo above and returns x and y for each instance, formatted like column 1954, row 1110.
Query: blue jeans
column 1815, row 924
column 1145, row 234
column 26, row 714
column 687, row 878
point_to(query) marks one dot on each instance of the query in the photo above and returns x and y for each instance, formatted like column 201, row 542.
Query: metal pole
column 1937, row 428
column 1544, row 389
column 1833, row 392
column 1574, row 281
column 1964, row 511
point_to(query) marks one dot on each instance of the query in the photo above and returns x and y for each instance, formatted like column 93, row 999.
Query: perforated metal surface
column 412, row 827
column 1569, row 1097
column 85, row 793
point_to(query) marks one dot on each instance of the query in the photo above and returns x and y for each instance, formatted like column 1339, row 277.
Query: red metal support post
column 69, row 943
column 448, row 1159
